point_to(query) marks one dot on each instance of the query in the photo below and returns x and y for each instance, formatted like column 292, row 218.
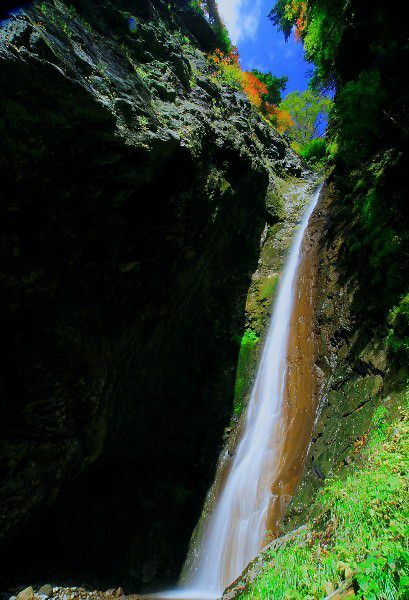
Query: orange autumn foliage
column 232, row 58
column 299, row 11
column 283, row 119
column 254, row 89
column 229, row 67
column 229, row 64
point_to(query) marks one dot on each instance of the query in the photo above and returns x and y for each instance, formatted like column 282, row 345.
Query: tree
column 214, row 14
column 275, row 85
column 308, row 110
column 320, row 25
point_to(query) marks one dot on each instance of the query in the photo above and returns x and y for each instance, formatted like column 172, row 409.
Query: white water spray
column 234, row 532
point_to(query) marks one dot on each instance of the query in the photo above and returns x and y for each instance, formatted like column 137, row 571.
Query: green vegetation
column 358, row 49
column 359, row 536
column 62, row 20
column 196, row 5
column 315, row 151
column 248, row 344
column 209, row 9
column 320, row 25
column 275, row 85
column 357, row 109
column 269, row 287
column 257, row 86
column 301, row 116
column 398, row 338
column 224, row 41
column 307, row 110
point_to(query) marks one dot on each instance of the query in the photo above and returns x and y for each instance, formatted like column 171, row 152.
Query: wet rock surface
column 287, row 203
column 354, row 372
column 355, row 376
column 135, row 190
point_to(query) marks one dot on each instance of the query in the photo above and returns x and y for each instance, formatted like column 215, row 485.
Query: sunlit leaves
column 257, row 86
column 319, row 24
column 307, row 110
column 282, row 119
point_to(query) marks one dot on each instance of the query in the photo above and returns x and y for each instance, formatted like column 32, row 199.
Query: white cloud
column 242, row 17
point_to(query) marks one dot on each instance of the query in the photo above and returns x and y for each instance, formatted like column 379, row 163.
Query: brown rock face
column 300, row 405
column 354, row 371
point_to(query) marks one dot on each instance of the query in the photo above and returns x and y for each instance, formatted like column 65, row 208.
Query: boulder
column 26, row 594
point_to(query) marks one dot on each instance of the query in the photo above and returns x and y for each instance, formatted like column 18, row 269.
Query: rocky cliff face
column 357, row 373
column 359, row 382
column 135, row 191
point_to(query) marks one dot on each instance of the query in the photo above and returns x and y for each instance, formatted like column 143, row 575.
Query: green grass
column 362, row 530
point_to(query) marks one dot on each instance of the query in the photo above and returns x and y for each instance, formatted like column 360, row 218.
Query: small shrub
column 248, row 343
column 224, row 39
column 398, row 337
column 315, row 151
column 357, row 115
column 197, row 6
column 229, row 69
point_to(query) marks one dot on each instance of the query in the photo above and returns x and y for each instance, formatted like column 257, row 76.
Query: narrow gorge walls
column 134, row 194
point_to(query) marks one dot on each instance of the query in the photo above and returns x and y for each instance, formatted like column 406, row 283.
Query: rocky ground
column 50, row 592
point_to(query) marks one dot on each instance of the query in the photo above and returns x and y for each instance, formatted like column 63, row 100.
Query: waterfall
column 234, row 532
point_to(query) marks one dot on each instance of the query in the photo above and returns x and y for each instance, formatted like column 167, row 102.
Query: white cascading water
column 234, row 532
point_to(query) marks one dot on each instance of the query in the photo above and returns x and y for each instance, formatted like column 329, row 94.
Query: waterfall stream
column 235, row 530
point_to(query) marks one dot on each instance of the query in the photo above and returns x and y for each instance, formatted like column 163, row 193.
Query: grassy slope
column 361, row 531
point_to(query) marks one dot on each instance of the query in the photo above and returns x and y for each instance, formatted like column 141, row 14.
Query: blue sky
column 260, row 45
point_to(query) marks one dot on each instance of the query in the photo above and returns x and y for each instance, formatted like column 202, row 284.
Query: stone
column 46, row 590
column 348, row 572
column 347, row 594
column 329, row 587
column 26, row 594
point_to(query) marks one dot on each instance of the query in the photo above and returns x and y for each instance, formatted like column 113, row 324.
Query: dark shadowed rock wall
column 133, row 198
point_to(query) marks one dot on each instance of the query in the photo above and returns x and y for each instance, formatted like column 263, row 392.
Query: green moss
column 258, row 311
column 398, row 337
column 361, row 531
column 274, row 202
column 268, row 287
column 245, row 363
column 377, row 239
